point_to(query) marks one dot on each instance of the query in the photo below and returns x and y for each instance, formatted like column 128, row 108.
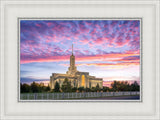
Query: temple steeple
column 72, row 69
column 72, row 60
column 72, row 49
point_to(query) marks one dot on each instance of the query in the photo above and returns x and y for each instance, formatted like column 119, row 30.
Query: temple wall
column 77, row 81
column 95, row 82
column 61, row 80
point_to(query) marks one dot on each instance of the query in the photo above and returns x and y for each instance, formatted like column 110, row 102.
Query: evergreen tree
column 97, row 87
column 57, row 87
column 115, row 85
column 66, row 86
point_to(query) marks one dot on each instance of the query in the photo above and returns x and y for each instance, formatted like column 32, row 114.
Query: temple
column 77, row 78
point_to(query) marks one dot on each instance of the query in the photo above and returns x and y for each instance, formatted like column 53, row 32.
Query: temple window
column 83, row 81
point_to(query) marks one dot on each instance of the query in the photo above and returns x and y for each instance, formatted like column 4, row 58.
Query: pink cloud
column 38, row 25
column 79, row 57
column 49, row 24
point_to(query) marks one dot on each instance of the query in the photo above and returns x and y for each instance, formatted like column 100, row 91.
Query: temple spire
column 72, row 49
column 72, row 68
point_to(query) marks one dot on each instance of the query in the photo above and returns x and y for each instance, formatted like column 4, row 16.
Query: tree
column 106, row 89
column 25, row 88
column 97, row 87
column 66, row 86
column 120, row 86
column 114, row 86
column 135, row 86
column 41, row 87
column 48, row 88
column 57, row 87
column 80, row 89
column 93, row 89
column 124, row 86
column 74, row 89
column 35, row 87
column 88, row 90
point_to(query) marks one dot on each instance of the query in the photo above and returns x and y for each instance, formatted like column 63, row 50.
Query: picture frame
column 12, row 109
column 137, row 98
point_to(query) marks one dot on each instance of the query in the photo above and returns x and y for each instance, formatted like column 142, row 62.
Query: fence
column 75, row 95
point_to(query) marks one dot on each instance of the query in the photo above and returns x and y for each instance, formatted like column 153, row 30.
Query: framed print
column 79, row 60
column 101, row 52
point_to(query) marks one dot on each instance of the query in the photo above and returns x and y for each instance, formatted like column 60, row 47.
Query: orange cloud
column 108, row 65
column 104, row 57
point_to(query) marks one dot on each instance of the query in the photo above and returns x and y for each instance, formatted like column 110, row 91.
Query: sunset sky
column 108, row 49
